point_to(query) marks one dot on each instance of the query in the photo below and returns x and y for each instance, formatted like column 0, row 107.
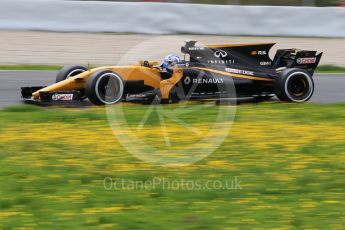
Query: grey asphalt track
column 329, row 88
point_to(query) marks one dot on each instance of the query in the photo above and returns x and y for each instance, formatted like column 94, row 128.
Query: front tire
column 104, row 87
column 69, row 71
column 294, row 85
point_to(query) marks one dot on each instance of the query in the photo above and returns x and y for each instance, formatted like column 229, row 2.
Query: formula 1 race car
column 207, row 72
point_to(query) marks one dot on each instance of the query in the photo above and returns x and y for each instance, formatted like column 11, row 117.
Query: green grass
column 30, row 67
column 330, row 69
column 289, row 158
column 320, row 69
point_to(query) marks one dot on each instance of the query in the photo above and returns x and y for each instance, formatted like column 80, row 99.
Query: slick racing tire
column 69, row 71
column 104, row 87
column 294, row 85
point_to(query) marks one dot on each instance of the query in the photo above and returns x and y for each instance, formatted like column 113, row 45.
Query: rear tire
column 294, row 85
column 69, row 71
column 104, row 87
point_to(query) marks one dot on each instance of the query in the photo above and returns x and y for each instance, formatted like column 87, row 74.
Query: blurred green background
column 255, row 2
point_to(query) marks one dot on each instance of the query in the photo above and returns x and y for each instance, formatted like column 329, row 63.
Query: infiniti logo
column 220, row 54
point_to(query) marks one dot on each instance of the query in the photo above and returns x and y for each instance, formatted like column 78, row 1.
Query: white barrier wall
column 165, row 18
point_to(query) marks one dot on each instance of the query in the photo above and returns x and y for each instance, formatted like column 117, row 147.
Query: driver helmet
column 170, row 60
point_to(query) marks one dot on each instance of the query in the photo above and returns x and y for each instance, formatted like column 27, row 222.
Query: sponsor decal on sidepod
column 187, row 80
column 239, row 71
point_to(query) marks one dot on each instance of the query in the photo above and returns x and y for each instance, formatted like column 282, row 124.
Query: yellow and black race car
column 216, row 72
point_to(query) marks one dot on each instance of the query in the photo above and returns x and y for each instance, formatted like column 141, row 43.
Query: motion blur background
column 31, row 29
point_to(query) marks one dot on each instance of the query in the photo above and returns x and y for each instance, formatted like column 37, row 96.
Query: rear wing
column 294, row 58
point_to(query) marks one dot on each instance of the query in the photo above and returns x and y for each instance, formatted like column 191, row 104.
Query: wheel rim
column 109, row 88
column 299, row 87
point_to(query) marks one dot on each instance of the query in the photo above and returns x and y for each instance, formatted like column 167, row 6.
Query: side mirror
column 148, row 64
